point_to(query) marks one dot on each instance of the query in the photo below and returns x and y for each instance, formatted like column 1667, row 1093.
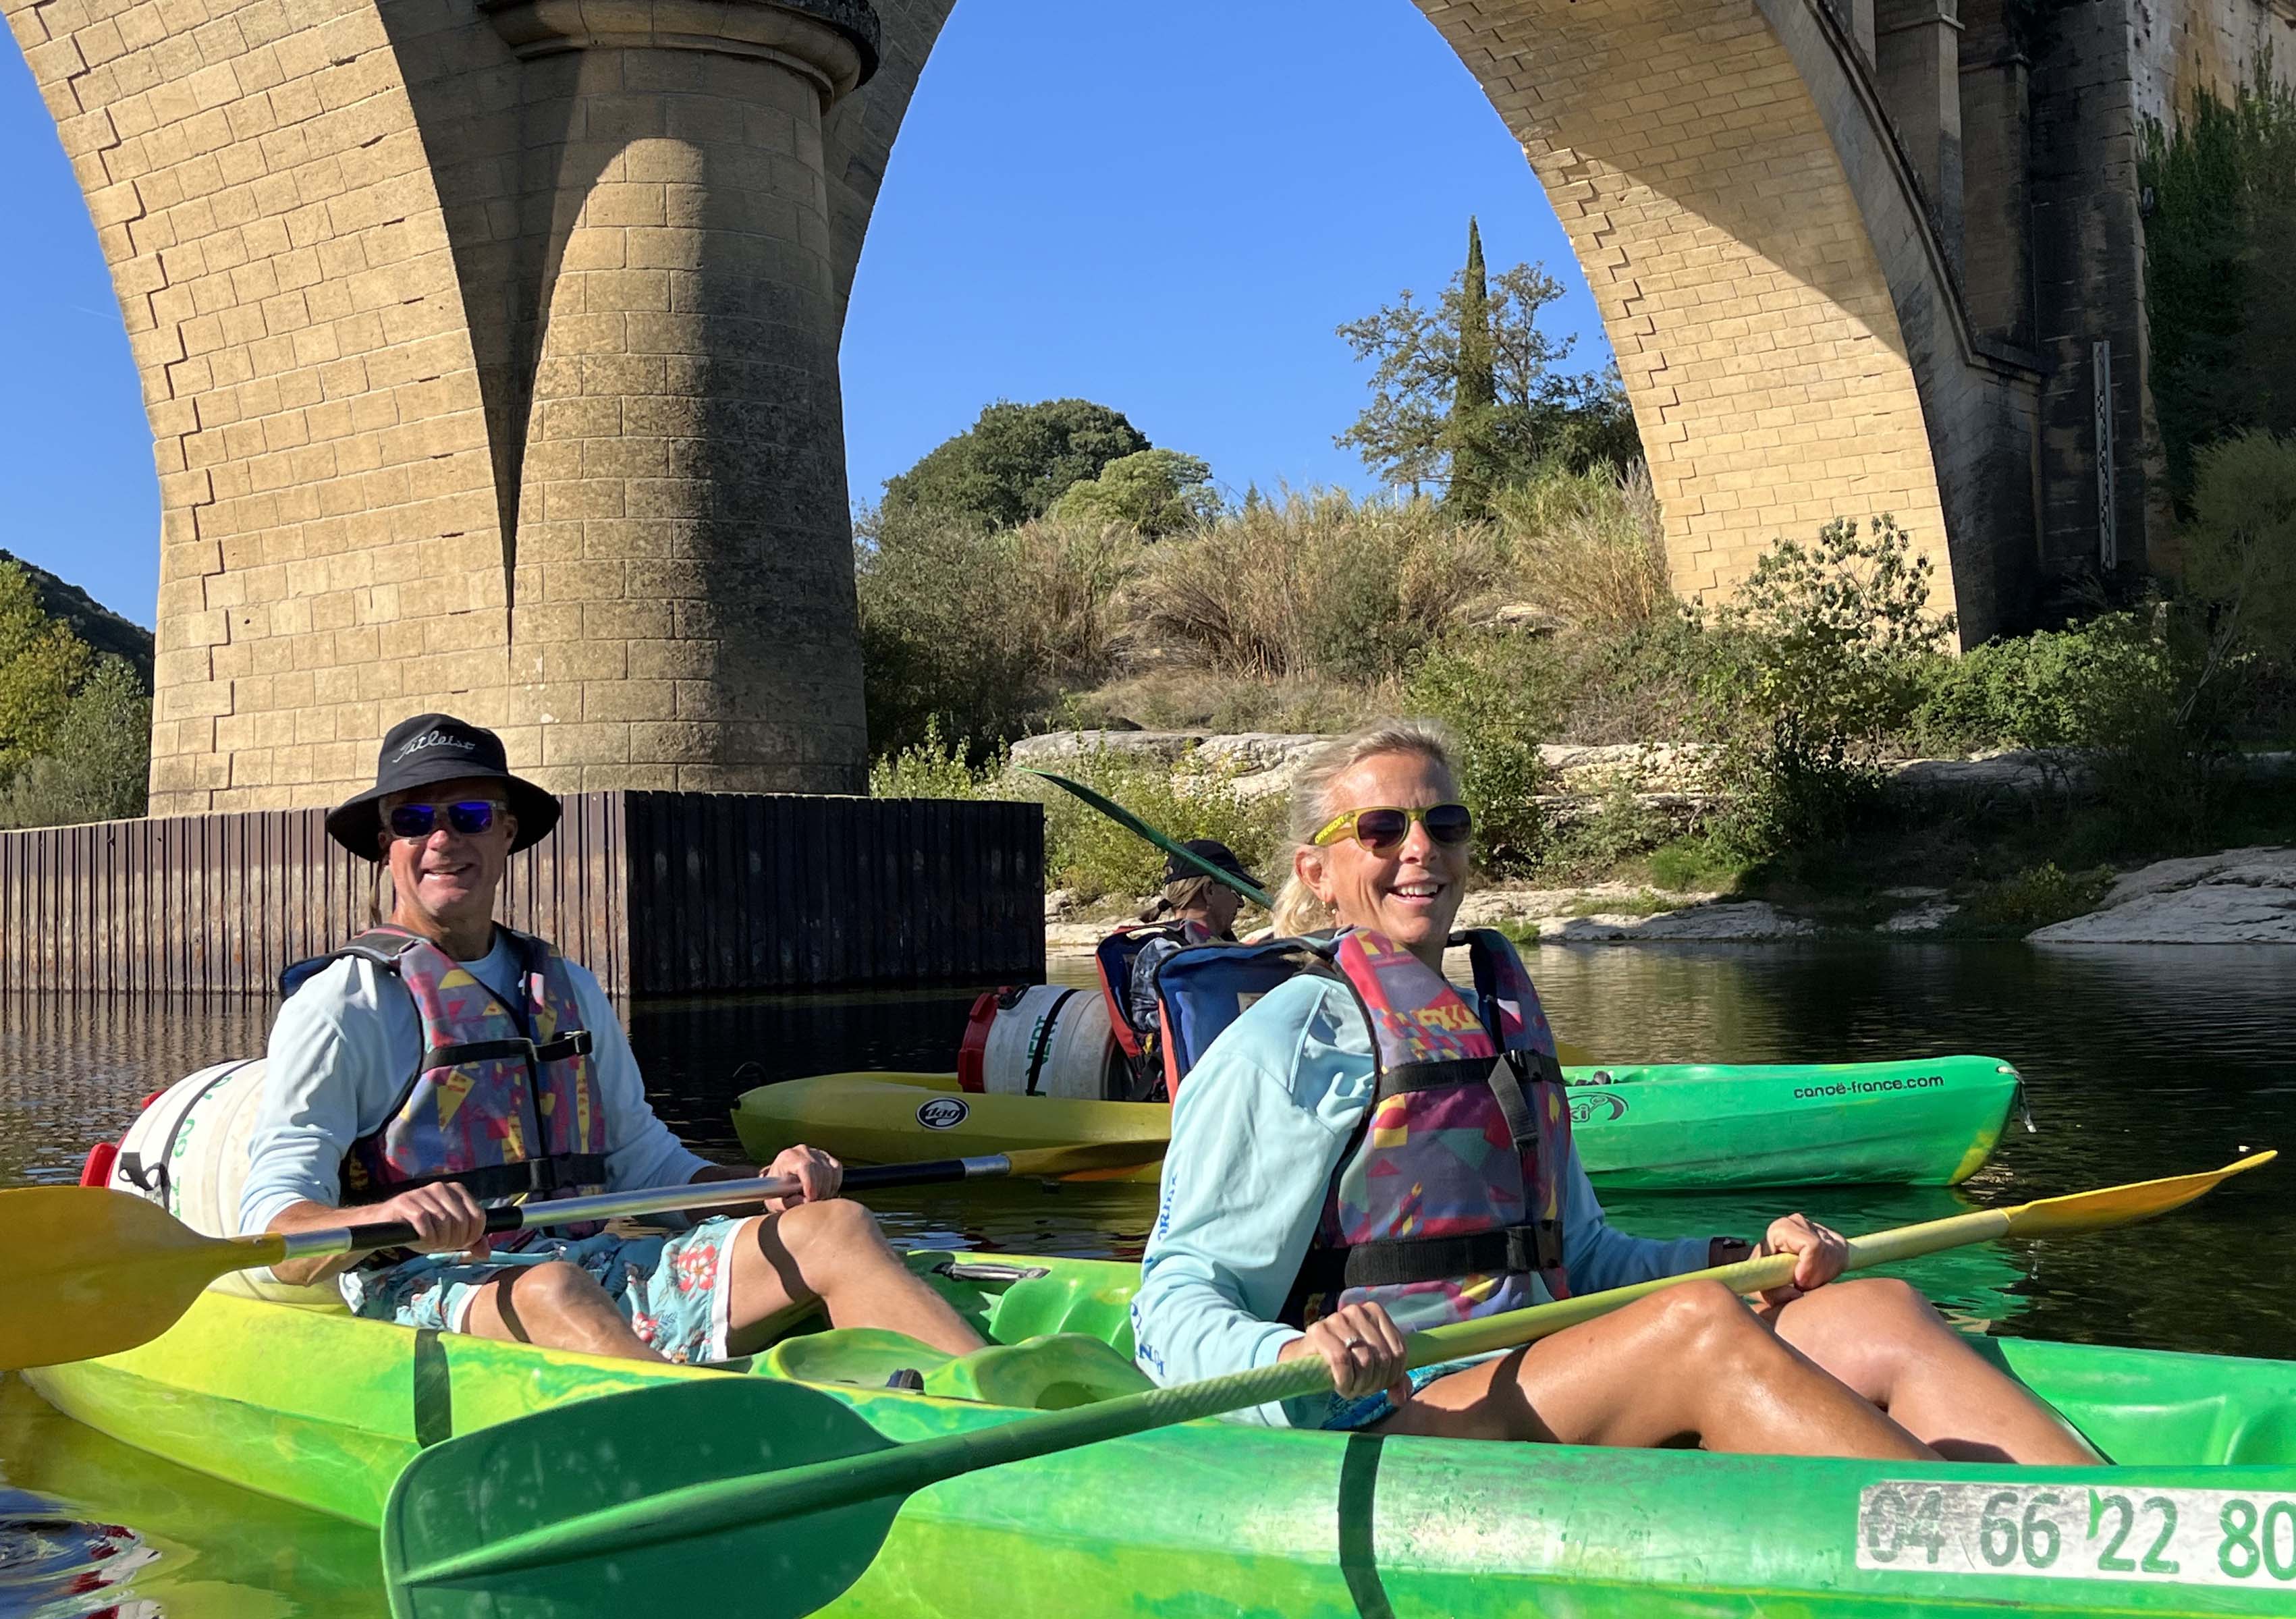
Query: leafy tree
column 2220, row 272
column 1473, row 434
column 2241, row 559
column 41, row 663
column 101, row 758
column 1014, row 461
column 1535, row 412
column 1153, row 493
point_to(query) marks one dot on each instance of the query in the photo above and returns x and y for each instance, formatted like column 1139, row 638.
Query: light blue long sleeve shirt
column 344, row 1048
column 1257, row 1131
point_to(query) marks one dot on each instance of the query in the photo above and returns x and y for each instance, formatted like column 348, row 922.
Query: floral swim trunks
column 672, row 1289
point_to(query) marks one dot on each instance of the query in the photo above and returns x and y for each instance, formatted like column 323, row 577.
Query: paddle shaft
column 1132, row 823
column 699, row 1510
column 621, row 1205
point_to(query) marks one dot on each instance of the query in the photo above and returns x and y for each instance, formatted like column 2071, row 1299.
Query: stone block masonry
column 490, row 346
column 490, row 355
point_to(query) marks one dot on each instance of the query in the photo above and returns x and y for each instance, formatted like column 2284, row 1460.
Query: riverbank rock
column 1746, row 921
column 1508, row 902
column 1927, row 917
column 2242, row 896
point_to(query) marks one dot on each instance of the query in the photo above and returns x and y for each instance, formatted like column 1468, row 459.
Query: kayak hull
column 1216, row 1518
column 1639, row 1128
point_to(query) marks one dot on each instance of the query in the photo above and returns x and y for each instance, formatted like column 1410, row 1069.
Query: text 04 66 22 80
column 2077, row 1531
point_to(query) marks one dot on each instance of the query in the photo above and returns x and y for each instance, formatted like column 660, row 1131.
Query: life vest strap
column 1522, row 1123
column 541, row 1177
column 578, row 1043
column 1397, row 1262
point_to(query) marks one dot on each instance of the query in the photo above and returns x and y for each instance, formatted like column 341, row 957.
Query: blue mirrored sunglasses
column 468, row 817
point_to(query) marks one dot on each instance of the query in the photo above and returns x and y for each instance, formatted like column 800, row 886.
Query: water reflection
column 73, row 1068
column 202, row 1549
column 2138, row 1063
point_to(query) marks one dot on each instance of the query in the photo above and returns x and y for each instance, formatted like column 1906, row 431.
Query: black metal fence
column 655, row 892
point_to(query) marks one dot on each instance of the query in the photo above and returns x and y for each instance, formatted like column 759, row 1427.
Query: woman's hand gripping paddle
column 766, row 1499
column 87, row 1271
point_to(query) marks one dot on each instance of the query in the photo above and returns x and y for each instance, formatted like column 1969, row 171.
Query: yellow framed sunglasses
column 1382, row 828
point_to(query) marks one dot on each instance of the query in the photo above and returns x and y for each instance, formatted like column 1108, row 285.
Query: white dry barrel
column 1053, row 1041
column 187, row 1152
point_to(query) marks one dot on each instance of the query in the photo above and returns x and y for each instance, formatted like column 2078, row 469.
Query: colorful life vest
column 1447, row 1201
column 502, row 1101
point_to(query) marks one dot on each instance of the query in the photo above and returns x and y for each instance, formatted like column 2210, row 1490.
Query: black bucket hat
column 1212, row 849
column 437, row 747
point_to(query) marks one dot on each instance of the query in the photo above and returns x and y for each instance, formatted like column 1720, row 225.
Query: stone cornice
column 833, row 42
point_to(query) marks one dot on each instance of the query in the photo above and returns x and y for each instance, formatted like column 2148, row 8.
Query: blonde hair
column 1297, row 911
column 1177, row 896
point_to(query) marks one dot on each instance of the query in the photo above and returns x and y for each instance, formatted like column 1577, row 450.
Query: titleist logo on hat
column 436, row 738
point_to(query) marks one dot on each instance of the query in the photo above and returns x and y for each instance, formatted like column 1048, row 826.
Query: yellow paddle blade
column 2121, row 1204
column 87, row 1271
column 1573, row 1056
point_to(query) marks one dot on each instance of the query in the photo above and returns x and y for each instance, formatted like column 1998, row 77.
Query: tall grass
column 1588, row 545
column 1318, row 584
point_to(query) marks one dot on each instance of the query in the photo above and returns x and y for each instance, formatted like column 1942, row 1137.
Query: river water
column 2138, row 1062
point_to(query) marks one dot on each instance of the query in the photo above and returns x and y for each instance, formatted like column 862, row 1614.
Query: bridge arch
column 489, row 346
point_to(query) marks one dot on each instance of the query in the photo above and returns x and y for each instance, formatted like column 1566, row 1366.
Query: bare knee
column 1701, row 1307
column 539, row 1305
column 557, row 1287
column 1880, row 1306
column 835, row 1226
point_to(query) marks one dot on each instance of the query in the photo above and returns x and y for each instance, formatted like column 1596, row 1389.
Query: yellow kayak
column 1925, row 1121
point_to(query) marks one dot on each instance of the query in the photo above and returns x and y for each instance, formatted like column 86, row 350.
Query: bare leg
column 831, row 1253
column 1886, row 1341
column 1688, row 1365
column 557, row 1305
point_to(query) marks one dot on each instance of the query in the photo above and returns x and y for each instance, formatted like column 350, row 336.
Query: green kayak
column 1649, row 1127
column 2197, row 1515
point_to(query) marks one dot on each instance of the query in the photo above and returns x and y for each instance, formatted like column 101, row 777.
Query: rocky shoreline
column 2239, row 896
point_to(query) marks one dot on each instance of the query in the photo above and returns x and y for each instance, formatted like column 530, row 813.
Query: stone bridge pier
column 490, row 346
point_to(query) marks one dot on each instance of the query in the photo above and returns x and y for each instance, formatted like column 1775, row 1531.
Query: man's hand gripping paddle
column 88, row 1272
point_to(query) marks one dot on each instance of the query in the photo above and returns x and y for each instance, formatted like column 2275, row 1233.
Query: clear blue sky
column 1164, row 206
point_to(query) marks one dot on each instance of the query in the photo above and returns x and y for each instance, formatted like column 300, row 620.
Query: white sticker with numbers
column 2242, row 1538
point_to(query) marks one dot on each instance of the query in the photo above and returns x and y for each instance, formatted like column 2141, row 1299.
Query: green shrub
column 2034, row 898
column 1819, row 662
column 1092, row 856
column 1695, row 863
column 1153, row 493
column 1621, row 827
column 932, row 768
column 2056, row 688
column 1495, row 696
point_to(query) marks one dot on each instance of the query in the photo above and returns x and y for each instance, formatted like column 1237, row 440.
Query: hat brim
column 357, row 823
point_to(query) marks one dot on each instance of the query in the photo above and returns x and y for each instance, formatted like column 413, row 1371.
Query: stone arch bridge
column 490, row 346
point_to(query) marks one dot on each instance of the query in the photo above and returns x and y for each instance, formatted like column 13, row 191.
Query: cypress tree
column 1474, row 398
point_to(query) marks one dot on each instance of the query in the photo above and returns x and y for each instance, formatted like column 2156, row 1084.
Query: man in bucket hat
column 442, row 1062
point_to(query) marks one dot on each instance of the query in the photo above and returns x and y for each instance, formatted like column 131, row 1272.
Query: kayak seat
column 1046, row 1374
column 864, row 1355
column 1041, row 1307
